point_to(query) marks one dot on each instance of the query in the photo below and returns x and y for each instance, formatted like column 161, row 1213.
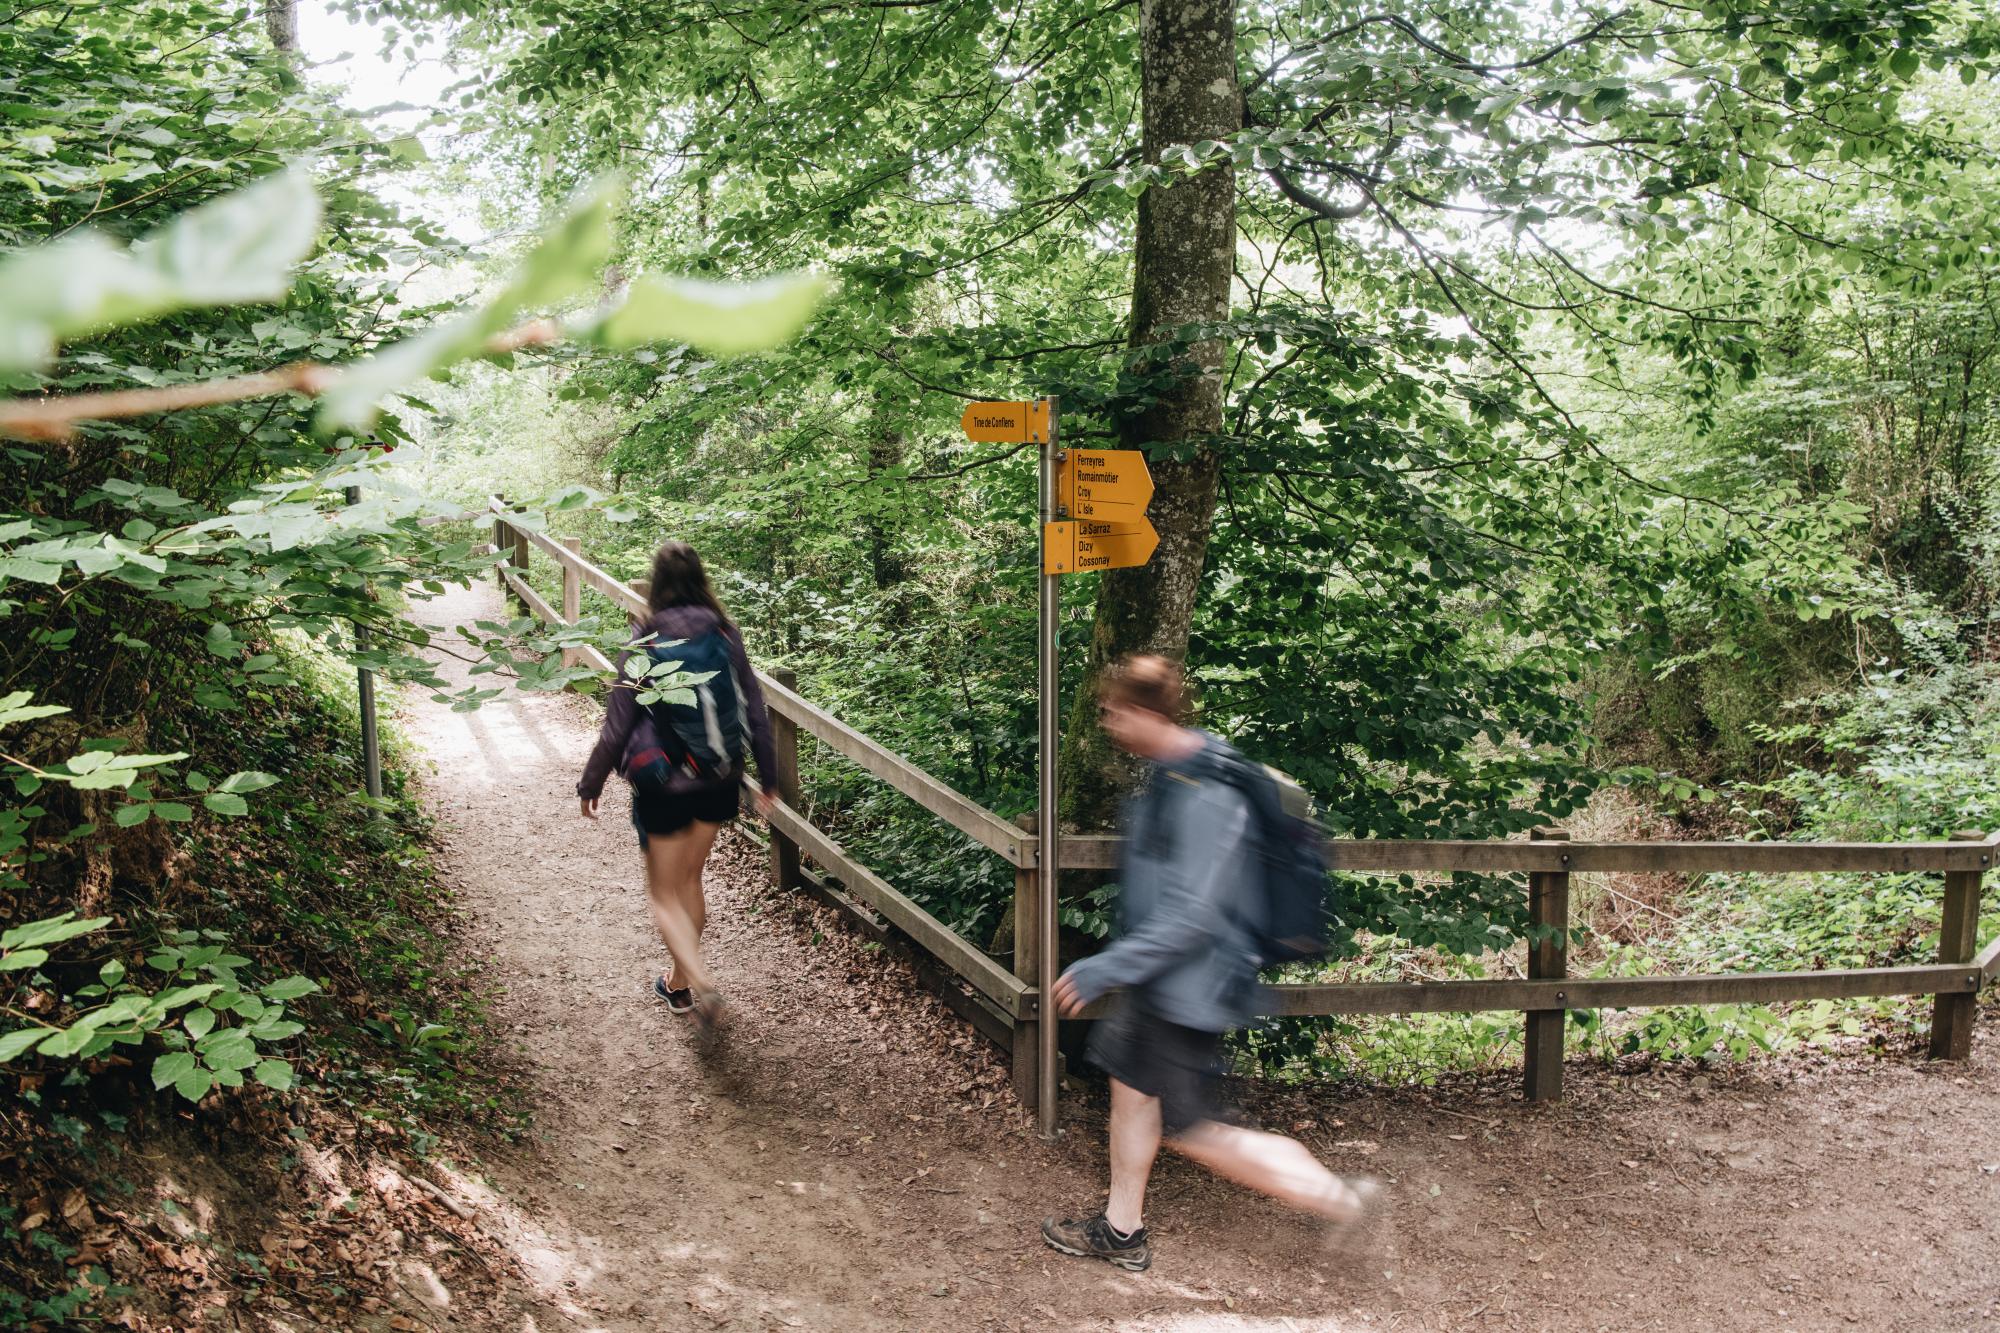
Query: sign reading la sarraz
column 1079, row 545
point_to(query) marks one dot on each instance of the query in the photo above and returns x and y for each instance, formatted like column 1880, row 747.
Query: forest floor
column 849, row 1157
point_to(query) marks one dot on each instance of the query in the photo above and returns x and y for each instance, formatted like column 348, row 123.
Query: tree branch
column 54, row 420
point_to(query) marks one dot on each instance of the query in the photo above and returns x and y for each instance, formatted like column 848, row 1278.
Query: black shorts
column 657, row 810
column 1181, row 1066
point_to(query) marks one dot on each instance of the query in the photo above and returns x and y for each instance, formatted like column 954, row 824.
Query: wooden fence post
column 500, row 535
column 1548, row 958
column 519, row 560
column 1958, row 936
column 1027, row 964
column 785, row 743
column 572, row 597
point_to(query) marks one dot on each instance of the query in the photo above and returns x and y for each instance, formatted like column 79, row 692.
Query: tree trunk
column 885, row 452
column 1183, row 261
column 281, row 21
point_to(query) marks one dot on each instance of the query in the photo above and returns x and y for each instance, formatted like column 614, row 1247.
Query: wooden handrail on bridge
column 1547, row 857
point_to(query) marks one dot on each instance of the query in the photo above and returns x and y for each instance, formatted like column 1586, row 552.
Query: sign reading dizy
column 1077, row 546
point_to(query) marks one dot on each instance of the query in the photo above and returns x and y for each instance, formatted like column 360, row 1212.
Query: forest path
column 849, row 1157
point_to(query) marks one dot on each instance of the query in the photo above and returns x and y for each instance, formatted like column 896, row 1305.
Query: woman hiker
column 684, row 760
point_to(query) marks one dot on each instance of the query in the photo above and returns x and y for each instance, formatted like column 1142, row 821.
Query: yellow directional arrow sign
column 1007, row 423
column 1076, row 546
column 1110, row 484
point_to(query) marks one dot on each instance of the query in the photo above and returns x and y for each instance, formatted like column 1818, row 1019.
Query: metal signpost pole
column 1051, row 860
column 371, row 749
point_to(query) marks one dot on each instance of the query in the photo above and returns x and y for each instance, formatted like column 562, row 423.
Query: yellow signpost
column 1093, row 514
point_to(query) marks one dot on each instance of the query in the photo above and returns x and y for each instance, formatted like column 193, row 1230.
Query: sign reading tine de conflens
column 1006, row 423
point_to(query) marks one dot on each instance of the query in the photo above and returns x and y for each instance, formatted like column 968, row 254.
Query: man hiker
column 1186, row 962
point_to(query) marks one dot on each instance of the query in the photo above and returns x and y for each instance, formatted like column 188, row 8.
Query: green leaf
column 289, row 988
column 724, row 319
column 564, row 264
column 228, row 1049
column 22, row 1040
column 195, row 1083
column 172, row 1067
column 173, row 812
column 274, row 1074
column 23, row 959
column 127, row 816
column 247, row 782
column 226, row 803
column 51, row 930
column 16, row 708
column 199, row 1022
column 167, row 1001
column 238, row 248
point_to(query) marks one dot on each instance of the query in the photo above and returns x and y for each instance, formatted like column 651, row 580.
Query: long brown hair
column 679, row 580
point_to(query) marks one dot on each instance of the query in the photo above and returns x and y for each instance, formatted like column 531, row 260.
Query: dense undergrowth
column 320, row 885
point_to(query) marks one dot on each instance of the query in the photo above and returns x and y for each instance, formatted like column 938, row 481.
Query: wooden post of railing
column 785, row 743
column 572, row 597
column 520, row 560
column 1548, row 958
column 500, row 537
column 1958, row 937
column 1027, row 962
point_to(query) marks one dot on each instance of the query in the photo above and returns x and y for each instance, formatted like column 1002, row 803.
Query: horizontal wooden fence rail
column 1004, row 1002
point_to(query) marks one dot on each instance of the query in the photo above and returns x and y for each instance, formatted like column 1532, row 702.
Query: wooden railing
column 1003, row 1002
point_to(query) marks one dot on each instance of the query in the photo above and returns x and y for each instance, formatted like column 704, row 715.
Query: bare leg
column 1135, row 1142
column 692, row 897
column 1270, row 1164
column 666, row 872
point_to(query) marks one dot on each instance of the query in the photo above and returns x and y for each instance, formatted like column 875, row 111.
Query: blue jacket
column 1180, row 948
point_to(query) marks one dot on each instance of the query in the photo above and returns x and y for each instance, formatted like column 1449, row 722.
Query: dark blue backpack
column 703, row 736
column 1289, row 920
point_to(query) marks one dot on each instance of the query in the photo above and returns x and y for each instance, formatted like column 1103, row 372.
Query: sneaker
column 678, row 1001
column 1093, row 1238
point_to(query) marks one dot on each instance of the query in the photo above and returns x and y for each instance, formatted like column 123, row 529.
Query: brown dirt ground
column 849, row 1158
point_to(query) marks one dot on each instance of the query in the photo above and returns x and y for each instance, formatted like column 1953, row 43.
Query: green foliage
column 235, row 250
column 213, row 1025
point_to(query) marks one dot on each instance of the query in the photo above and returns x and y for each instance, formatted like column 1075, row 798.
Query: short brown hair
column 1144, row 681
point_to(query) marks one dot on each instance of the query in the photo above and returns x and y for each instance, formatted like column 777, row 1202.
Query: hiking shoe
column 678, row 1001
column 1093, row 1238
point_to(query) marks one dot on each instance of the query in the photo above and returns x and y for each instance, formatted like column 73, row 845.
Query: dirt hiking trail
column 849, row 1156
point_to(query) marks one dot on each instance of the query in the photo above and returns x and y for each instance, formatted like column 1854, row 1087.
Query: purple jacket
column 629, row 731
